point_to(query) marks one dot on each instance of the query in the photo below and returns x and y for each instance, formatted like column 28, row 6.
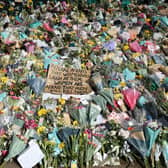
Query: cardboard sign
column 67, row 81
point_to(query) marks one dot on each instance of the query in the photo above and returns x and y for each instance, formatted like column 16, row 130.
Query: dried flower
column 59, row 108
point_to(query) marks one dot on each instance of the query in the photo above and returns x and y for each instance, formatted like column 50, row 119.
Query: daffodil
column 122, row 84
column 126, row 47
column 61, row 101
column 4, row 79
column 61, row 145
column 134, row 55
column 41, row 129
column 40, row 65
column 51, row 143
column 75, row 123
column 118, row 96
column 42, row 112
column 83, row 65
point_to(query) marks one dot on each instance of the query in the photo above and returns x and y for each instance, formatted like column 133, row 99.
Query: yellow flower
column 104, row 28
column 41, row 37
column 148, row 19
column 40, row 65
column 147, row 32
column 118, row 96
column 61, row 145
column 75, row 123
column 90, row 42
column 1, row 111
column 42, row 112
column 1, row 6
column 134, row 55
column 51, row 143
column 15, row 108
column 126, row 47
column 83, row 65
column 108, row 37
column 11, row 8
column 41, row 129
column 4, row 79
column 123, row 84
column 139, row 76
column 61, row 101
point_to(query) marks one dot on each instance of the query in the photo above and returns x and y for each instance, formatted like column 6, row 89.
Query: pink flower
column 15, row 97
column 64, row 20
column 2, row 132
column 47, row 27
column 30, row 124
column 98, row 135
column 30, row 112
column 88, row 133
column 78, row 107
column 21, row 116
column 11, row 93
column 4, row 152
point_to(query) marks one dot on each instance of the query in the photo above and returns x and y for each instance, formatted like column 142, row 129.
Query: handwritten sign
column 62, row 80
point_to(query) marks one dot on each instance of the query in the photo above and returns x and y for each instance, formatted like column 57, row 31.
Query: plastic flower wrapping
column 83, row 83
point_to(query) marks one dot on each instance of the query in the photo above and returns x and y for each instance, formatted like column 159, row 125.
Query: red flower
column 130, row 128
column 30, row 124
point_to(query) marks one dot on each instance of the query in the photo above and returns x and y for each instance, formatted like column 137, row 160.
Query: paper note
column 67, row 81
column 31, row 156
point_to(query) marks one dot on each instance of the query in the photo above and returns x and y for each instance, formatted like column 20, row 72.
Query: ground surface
column 123, row 165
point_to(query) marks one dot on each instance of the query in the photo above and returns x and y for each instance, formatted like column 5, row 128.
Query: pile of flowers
column 124, row 118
